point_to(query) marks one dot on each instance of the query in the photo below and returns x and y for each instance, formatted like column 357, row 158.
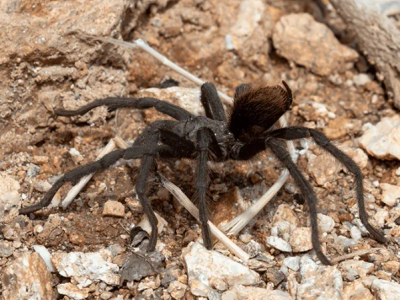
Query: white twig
column 80, row 185
column 354, row 254
column 181, row 197
column 139, row 43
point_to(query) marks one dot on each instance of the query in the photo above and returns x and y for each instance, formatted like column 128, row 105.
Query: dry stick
column 238, row 223
column 354, row 254
column 181, row 197
column 79, row 186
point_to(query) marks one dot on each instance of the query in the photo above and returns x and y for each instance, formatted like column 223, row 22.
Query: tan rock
column 298, row 37
column 27, row 277
column 353, row 269
column 9, row 197
column 383, row 139
column 72, row 291
column 240, row 292
column 177, row 290
column 113, row 209
column 357, row 291
column 300, row 239
column 390, row 193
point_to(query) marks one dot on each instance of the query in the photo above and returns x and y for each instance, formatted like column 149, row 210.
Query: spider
column 247, row 132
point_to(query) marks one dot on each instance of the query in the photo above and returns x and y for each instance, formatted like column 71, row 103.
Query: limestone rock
column 319, row 282
column 390, row 193
column 385, row 289
column 113, row 209
column 299, row 38
column 279, row 244
column 300, row 239
column 204, row 267
column 383, row 139
column 72, row 291
column 240, row 292
column 9, row 197
column 357, row 291
column 87, row 268
column 354, row 269
column 325, row 223
column 27, row 277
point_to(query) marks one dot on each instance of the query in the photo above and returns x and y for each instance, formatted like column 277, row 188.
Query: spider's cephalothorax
column 248, row 132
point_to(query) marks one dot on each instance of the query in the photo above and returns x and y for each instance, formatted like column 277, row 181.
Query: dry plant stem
column 181, row 197
column 237, row 224
column 378, row 38
column 354, row 254
column 80, row 185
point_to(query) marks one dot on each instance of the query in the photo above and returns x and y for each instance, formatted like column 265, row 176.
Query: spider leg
column 240, row 89
column 306, row 189
column 203, row 143
column 291, row 133
column 78, row 173
column 113, row 103
column 211, row 102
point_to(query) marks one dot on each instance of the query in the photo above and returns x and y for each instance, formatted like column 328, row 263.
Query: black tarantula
column 246, row 133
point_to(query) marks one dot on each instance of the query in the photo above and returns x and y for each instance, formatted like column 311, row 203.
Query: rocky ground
column 87, row 251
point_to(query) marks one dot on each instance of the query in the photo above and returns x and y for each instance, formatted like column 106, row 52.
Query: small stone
column 86, row 268
column 355, row 233
column 323, row 168
column 354, row 269
column 279, row 244
column 390, row 193
column 361, row 79
column 300, row 239
column 240, row 292
column 6, row 248
column 357, row 291
column 385, row 289
column 27, row 277
column 285, row 213
column 319, row 282
column 9, row 197
column 391, row 266
column 252, row 248
column 177, row 290
column 204, row 267
column 113, row 209
column 72, row 291
column 382, row 140
column 40, row 159
column 245, row 238
column 292, row 263
column 106, row 295
column 325, row 223
column 299, row 38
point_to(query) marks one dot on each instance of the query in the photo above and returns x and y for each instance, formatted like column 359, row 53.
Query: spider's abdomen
column 256, row 109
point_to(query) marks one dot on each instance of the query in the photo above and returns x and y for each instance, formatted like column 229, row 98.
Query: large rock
column 87, row 268
column 205, row 268
column 27, row 277
column 299, row 38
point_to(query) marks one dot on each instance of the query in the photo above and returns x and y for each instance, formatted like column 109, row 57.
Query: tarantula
column 247, row 133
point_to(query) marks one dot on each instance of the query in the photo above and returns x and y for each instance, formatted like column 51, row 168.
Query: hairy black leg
column 203, row 142
column 98, row 165
column 291, row 133
column 145, row 168
column 211, row 102
column 113, row 103
column 73, row 176
column 306, row 190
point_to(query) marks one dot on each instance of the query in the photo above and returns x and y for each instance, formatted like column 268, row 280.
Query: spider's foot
column 207, row 238
column 375, row 233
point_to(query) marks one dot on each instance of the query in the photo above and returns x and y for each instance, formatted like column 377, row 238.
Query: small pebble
column 355, row 233
column 279, row 244
column 113, row 209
